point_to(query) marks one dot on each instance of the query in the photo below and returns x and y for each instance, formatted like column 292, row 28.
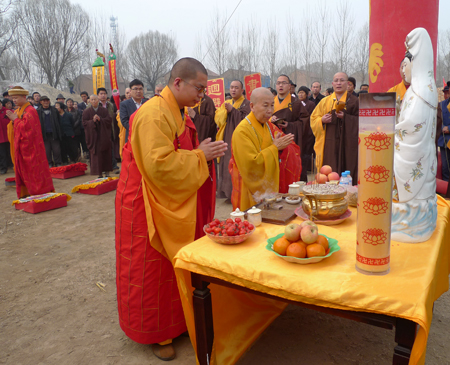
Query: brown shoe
column 164, row 352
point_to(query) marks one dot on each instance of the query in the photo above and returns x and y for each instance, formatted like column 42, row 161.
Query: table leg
column 204, row 329
column 405, row 334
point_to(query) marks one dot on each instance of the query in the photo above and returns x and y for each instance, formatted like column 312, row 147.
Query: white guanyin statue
column 414, row 210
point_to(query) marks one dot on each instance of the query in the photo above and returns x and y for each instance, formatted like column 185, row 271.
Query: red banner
column 390, row 22
column 216, row 91
column 252, row 82
column 113, row 77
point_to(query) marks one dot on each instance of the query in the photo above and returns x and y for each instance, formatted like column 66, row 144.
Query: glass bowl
column 229, row 240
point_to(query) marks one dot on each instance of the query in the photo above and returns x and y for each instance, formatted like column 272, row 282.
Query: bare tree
column 342, row 35
column 235, row 57
column 291, row 49
column 307, row 34
column 322, row 38
column 52, row 32
column 7, row 29
column 252, row 46
column 218, row 43
column 151, row 55
column 361, row 52
column 270, row 55
column 198, row 51
column 444, row 54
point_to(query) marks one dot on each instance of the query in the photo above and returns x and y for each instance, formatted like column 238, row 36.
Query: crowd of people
column 178, row 154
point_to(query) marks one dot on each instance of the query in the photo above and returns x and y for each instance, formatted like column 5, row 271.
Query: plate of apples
column 302, row 244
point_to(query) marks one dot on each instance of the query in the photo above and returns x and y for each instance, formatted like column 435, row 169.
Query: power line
column 222, row 30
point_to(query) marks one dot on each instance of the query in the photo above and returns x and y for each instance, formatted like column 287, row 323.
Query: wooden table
column 405, row 330
column 403, row 299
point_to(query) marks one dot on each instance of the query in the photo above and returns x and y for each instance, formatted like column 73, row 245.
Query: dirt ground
column 52, row 312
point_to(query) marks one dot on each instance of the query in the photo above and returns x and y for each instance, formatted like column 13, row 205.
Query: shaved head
column 94, row 100
column 187, row 69
column 260, row 93
column 340, row 83
column 261, row 104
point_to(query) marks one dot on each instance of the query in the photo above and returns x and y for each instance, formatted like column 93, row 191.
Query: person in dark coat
column 97, row 126
column 68, row 145
column 5, row 155
column 77, row 115
column 51, row 131
column 129, row 106
column 308, row 139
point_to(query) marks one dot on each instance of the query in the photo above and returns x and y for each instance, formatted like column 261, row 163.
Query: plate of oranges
column 309, row 248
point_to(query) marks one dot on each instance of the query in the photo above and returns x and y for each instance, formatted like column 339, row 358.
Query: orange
column 322, row 240
column 296, row 249
column 280, row 246
column 315, row 249
column 301, row 243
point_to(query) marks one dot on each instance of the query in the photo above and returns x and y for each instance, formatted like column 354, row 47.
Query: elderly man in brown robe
column 227, row 118
column 336, row 133
column 203, row 117
column 97, row 126
column 289, row 114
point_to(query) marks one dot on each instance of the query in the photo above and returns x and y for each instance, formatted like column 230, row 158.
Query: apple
column 309, row 234
column 308, row 223
column 292, row 232
column 326, row 170
column 333, row 176
column 321, row 178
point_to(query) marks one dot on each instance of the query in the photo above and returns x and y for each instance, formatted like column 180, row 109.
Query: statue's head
column 406, row 68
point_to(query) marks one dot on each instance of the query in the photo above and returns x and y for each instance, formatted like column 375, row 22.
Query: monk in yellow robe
column 256, row 144
column 156, row 207
column 122, row 134
column 336, row 131
column 227, row 118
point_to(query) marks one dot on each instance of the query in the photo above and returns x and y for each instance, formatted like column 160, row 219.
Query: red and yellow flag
column 113, row 76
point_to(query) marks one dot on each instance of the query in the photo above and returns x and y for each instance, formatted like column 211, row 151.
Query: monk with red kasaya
column 165, row 195
column 30, row 161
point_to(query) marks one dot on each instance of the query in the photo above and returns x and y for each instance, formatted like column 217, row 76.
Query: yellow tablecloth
column 418, row 276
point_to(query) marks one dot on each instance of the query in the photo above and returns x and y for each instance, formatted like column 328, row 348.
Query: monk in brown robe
column 308, row 135
column 292, row 112
column 337, row 133
column 203, row 117
column 97, row 126
column 227, row 118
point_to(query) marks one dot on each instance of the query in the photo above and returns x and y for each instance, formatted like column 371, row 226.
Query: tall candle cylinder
column 375, row 171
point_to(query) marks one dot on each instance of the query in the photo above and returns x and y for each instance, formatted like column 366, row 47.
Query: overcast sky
column 187, row 19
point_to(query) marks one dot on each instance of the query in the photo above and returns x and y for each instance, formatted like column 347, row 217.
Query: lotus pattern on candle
column 378, row 141
column 374, row 236
column 375, row 206
column 376, row 174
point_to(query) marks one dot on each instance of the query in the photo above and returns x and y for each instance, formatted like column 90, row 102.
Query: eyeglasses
column 137, row 89
column 201, row 90
column 339, row 80
column 282, row 83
